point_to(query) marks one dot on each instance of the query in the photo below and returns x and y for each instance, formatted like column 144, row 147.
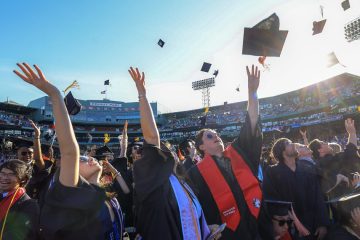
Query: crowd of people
column 282, row 105
column 202, row 188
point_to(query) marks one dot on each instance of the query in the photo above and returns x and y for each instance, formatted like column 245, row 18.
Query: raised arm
column 304, row 137
column 124, row 141
column 253, row 103
column 147, row 121
column 351, row 130
column 39, row 161
column 69, row 148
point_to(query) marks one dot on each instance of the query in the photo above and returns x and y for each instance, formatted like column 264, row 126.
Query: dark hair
column 315, row 145
column 22, row 170
column 199, row 141
column 344, row 208
column 278, row 149
column 183, row 147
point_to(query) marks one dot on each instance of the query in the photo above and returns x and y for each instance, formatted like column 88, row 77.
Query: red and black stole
column 221, row 192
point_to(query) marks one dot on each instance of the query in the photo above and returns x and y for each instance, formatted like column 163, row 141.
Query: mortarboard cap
column 161, row 43
column 345, row 5
column 265, row 38
column 332, row 60
column 73, row 106
column 318, row 27
column 345, row 204
column 279, row 208
column 206, row 67
column 103, row 151
column 216, row 72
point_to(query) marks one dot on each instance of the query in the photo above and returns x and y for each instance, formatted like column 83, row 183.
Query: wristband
column 141, row 96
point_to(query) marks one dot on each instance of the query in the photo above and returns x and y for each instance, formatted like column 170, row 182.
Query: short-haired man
column 225, row 180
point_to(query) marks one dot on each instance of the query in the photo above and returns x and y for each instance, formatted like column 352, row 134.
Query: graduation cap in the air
column 206, row 67
column 102, row 152
column 265, row 38
column 161, row 43
column 345, row 5
column 332, row 60
column 216, row 72
column 73, row 106
column 318, row 27
column 279, row 208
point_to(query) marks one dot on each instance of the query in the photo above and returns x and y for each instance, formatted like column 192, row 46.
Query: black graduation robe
column 249, row 147
column 339, row 233
column 23, row 219
column 125, row 200
column 157, row 212
column 300, row 187
column 72, row 212
column 156, row 208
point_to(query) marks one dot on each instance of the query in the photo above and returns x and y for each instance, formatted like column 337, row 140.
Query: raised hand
column 303, row 133
column 253, row 79
column 36, row 128
column 350, row 126
column 139, row 80
column 37, row 79
column 355, row 216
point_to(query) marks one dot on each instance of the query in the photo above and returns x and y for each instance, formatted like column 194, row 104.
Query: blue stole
column 118, row 224
column 189, row 209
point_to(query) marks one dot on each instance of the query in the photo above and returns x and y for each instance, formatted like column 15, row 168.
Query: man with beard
column 286, row 181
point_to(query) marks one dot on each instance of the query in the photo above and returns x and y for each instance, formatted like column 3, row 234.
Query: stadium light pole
column 352, row 30
column 204, row 85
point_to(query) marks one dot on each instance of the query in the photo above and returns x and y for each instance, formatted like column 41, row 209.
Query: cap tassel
column 299, row 226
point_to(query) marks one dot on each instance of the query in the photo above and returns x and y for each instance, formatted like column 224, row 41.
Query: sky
column 91, row 41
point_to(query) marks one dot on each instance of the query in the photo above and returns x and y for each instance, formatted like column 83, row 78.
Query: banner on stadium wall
column 98, row 104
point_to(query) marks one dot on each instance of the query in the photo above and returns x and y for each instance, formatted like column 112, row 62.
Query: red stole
column 287, row 236
column 221, row 192
column 10, row 199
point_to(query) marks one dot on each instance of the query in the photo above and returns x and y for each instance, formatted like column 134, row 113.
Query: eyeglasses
column 26, row 153
column 84, row 159
column 282, row 222
column 2, row 174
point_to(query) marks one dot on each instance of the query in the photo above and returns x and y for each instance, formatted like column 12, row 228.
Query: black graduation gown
column 125, row 200
column 339, row 233
column 249, row 147
column 72, row 212
column 300, row 187
column 157, row 212
column 22, row 221
column 39, row 180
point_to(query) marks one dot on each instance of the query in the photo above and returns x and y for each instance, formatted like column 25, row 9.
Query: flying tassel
column 74, row 84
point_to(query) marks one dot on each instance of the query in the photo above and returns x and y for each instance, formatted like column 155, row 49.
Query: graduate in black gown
column 225, row 181
column 75, row 207
column 166, row 207
column 285, row 181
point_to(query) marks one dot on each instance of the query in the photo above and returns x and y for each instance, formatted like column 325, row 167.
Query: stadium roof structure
column 14, row 107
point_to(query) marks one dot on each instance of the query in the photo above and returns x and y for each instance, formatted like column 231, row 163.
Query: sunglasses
column 25, row 153
column 84, row 159
column 212, row 135
column 282, row 222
